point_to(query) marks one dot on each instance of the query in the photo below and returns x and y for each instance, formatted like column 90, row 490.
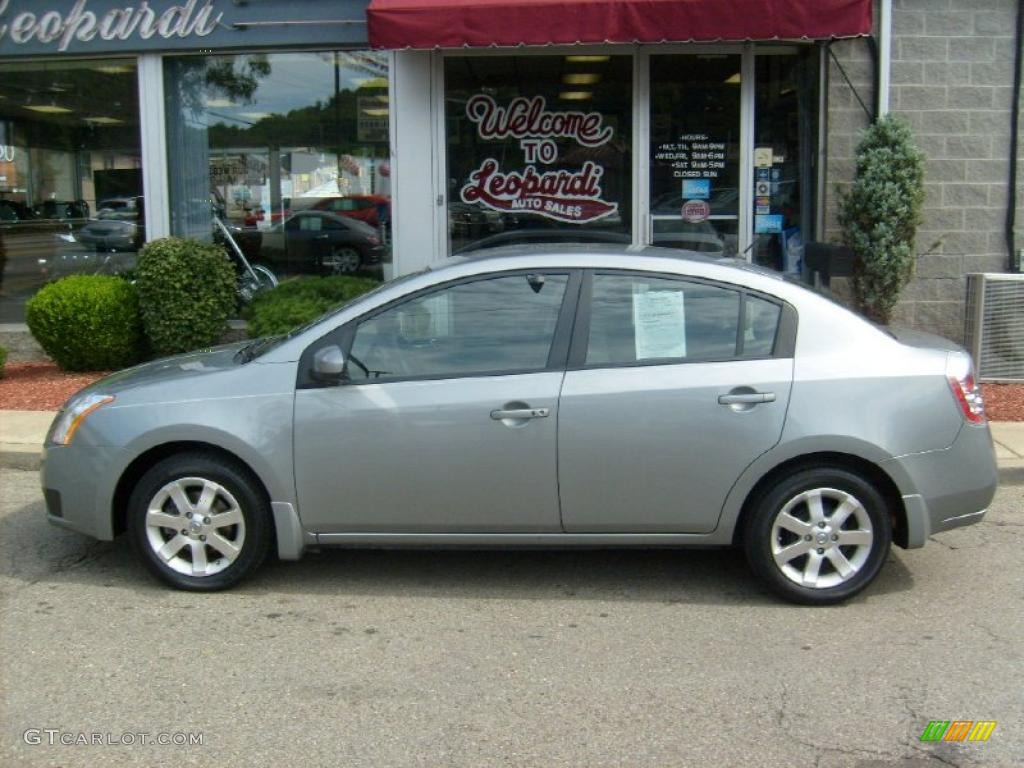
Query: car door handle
column 520, row 413
column 746, row 397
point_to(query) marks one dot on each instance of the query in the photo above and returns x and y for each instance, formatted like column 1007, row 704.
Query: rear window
column 638, row 319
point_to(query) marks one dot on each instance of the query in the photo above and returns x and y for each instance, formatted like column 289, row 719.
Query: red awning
column 478, row 23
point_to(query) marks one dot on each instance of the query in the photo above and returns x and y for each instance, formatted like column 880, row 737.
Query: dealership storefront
column 722, row 127
column 122, row 123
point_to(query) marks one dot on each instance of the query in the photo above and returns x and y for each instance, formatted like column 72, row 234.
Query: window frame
column 558, row 354
column 783, row 347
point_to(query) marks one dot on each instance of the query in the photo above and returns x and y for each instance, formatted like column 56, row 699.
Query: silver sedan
column 590, row 396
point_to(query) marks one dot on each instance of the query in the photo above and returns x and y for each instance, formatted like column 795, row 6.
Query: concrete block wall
column 952, row 78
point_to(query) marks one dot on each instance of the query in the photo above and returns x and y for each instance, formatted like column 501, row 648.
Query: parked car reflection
column 320, row 242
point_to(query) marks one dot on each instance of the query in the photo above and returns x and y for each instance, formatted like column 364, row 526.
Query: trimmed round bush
column 87, row 322
column 298, row 301
column 186, row 293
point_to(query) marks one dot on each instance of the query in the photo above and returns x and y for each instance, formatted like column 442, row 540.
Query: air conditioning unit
column 995, row 325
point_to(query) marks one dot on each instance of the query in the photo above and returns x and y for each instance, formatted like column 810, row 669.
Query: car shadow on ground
column 32, row 551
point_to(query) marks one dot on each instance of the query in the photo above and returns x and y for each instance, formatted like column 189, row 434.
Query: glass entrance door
column 695, row 152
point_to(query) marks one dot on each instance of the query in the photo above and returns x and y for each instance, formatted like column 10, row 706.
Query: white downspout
column 884, row 56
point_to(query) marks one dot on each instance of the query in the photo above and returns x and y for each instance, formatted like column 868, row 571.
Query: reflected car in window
column 555, row 396
column 320, row 243
column 370, row 209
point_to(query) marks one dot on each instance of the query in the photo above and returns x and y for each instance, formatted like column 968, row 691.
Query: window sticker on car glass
column 659, row 320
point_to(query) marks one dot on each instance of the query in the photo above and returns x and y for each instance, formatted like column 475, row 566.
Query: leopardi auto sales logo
column 573, row 196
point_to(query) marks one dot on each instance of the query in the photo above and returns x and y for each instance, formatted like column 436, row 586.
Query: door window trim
column 785, row 334
column 344, row 335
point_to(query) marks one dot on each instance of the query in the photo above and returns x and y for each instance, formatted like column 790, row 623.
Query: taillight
column 966, row 392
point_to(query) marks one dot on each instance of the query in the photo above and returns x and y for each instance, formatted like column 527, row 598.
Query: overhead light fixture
column 581, row 78
column 102, row 120
column 377, row 112
column 580, row 59
column 114, row 69
column 575, row 95
column 49, row 109
column 256, row 115
column 220, row 103
column 733, row 79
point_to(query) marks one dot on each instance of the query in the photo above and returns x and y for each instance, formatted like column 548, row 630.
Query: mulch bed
column 1004, row 402
column 42, row 387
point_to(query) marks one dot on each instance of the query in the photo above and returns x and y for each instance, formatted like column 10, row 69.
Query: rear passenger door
column 674, row 387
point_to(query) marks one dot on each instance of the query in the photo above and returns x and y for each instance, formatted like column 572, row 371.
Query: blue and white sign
column 768, row 225
column 696, row 189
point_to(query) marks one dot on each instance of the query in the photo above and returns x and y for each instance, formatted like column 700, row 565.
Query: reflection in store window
column 70, row 174
column 539, row 149
column 262, row 139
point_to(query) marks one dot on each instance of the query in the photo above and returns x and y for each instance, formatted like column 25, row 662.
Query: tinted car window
column 636, row 319
column 486, row 326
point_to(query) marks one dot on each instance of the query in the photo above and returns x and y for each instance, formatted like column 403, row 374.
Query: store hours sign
column 542, row 187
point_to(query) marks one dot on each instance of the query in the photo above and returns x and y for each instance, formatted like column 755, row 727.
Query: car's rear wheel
column 341, row 261
column 199, row 522
column 819, row 536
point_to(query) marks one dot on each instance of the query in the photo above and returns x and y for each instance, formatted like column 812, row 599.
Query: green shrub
column 3, row 359
column 186, row 292
column 87, row 322
column 296, row 302
column 880, row 213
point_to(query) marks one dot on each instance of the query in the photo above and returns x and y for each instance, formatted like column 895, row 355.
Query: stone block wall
column 952, row 81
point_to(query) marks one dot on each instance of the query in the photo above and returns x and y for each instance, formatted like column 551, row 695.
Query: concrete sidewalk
column 22, row 434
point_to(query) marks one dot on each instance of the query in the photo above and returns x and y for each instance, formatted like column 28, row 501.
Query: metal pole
column 884, row 56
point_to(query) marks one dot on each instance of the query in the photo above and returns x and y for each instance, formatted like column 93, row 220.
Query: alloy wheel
column 195, row 526
column 821, row 538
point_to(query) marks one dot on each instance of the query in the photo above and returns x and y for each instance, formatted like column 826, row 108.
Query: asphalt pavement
column 580, row 658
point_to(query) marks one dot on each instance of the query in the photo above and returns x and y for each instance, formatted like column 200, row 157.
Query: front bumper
column 947, row 489
column 78, row 485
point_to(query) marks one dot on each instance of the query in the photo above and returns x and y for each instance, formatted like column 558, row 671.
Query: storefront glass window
column 290, row 150
column 70, row 174
column 695, row 152
column 785, row 154
column 539, row 149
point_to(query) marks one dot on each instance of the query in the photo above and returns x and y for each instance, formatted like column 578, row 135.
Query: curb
column 24, row 458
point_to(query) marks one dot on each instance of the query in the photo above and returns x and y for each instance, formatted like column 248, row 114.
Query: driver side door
column 447, row 420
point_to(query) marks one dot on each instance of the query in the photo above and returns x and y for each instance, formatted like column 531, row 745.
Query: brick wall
column 952, row 78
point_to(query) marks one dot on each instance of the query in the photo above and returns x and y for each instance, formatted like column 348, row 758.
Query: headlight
column 71, row 418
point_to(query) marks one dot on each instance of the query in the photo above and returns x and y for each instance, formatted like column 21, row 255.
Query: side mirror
column 329, row 364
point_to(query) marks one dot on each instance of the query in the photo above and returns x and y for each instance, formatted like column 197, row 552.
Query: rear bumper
column 947, row 489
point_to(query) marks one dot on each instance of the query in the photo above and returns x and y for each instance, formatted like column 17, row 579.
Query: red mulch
column 42, row 387
column 1004, row 402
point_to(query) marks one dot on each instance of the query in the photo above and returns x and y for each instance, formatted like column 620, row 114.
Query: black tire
column 235, row 495
column 837, row 489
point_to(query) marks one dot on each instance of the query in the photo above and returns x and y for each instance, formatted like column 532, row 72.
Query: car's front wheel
column 818, row 536
column 199, row 522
